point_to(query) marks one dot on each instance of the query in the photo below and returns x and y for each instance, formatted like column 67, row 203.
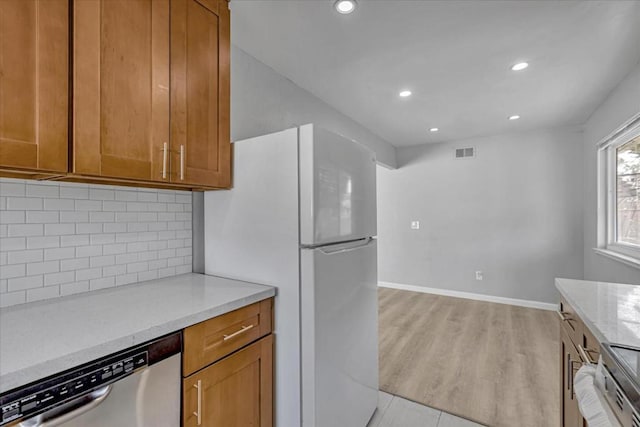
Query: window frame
column 607, row 166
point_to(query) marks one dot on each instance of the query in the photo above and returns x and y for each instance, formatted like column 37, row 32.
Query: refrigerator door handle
column 342, row 249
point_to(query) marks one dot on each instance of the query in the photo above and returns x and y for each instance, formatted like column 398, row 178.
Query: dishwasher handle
column 69, row 410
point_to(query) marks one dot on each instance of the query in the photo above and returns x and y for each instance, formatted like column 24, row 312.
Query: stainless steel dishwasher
column 137, row 387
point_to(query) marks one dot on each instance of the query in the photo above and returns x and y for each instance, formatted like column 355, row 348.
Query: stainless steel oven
column 138, row 387
column 617, row 386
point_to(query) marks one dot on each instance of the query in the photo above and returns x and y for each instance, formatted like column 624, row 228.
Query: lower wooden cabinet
column 569, row 358
column 236, row 391
column 577, row 346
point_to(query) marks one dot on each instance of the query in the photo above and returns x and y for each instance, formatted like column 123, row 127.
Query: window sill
column 625, row 259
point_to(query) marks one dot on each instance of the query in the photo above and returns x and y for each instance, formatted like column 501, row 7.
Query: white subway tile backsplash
column 37, row 190
column 13, row 244
column 126, row 279
column 91, row 250
column 116, row 206
column 43, row 242
column 24, row 203
column 59, row 278
column 34, row 268
column 39, row 294
column 102, row 261
column 43, row 217
column 77, row 240
column 126, row 196
column 89, row 273
column 114, row 270
column 101, row 194
column 12, row 298
column 74, row 288
column 11, row 271
column 59, row 229
column 101, row 217
column 89, row 228
column 74, row 192
column 74, row 264
column 25, row 230
column 114, row 227
column 12, row 188
column 23, row 283
column 147, row 275
column 59, row 253
column 59, row 204
column 74, row 217
column 20, row 257
column 137, row 267
column 88, row 205
column 147, row 197
column 105, row 282
column 12, row 217
column 64, row 238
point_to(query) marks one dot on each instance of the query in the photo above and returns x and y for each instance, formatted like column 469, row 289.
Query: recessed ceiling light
column 405, row 93
column 434, row 130
column 514, row 117
column 520, row 66
column 345, row 6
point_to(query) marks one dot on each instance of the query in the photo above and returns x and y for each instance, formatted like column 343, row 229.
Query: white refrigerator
column 302, row 217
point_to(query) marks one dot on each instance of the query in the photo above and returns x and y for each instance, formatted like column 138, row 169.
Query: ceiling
column 455, row 57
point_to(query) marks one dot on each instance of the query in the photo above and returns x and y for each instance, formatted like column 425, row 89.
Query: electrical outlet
column 415, row 225
column 478, row 275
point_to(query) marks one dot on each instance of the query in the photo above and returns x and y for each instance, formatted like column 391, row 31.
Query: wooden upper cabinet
column 200, row 84
column 121, row 89
column 34, row 74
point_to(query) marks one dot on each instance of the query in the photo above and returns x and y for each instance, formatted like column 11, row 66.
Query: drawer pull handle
column 242, row 330
column 584, row 354
column 563, row 316
column 198, row 413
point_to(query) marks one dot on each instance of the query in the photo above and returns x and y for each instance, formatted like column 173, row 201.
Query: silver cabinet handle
column 164, row 160
column 198, row 413
column 585, row 356
column 563, row 317
column 182, row 163
column 242, row 330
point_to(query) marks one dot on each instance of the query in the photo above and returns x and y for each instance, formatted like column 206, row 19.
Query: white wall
column 61, row 238
column 514, row 212
column 621, row 105
column 263, row 101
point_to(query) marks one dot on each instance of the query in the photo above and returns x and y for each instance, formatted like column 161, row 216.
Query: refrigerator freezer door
column 337, row 188
column 339, row 334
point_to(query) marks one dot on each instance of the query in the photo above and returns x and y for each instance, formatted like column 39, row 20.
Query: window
column 619, row 194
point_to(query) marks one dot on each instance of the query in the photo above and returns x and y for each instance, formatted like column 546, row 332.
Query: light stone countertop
column 611, row 311
column 43, row 338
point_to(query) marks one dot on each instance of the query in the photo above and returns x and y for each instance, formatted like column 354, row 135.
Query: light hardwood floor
column 492, row 363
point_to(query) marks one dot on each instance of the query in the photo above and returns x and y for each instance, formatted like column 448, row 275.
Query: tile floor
column 394, row 411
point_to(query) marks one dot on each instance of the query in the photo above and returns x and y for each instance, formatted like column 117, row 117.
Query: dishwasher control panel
column 60, row 389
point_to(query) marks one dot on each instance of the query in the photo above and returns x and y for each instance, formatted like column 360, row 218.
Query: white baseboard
column 470, row 295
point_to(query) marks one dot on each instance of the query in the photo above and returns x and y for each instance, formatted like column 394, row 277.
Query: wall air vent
column 463, row 153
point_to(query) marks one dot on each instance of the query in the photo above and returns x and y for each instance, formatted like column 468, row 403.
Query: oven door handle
column 69, row 410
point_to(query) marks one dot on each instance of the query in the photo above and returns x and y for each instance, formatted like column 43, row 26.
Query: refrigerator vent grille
column 462, row 153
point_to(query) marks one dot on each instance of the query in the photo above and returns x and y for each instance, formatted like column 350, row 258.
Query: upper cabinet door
column 121, row 89
column 34, row 58
column 200, row 85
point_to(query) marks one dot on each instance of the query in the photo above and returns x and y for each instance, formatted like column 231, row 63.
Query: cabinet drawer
column 571, row 323
column 213, row 339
